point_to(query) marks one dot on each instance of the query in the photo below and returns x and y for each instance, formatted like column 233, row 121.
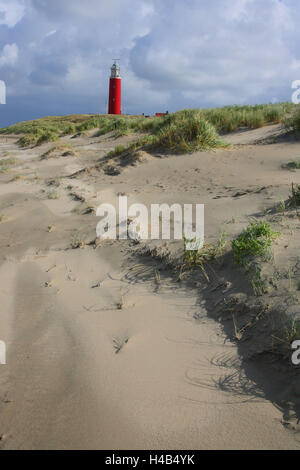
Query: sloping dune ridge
column 110, row 345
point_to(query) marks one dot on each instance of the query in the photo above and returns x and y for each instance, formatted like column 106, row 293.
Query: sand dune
column 102, row 353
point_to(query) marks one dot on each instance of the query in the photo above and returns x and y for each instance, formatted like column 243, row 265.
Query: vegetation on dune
column 199, row 257
column 187, row 133
column 256, row 240
column 196, row 129
column 47, row 136
column 292, row 330
column 294, row 199
column 182, row 131
column 292, row 123
column 294, row 165
column 49, row 129
column 44, row 133
column 58, row 148
column 230, row 118
column 38, row 138
column 142, row 143
column 6, row 163
column 57, row 124
column 119, row 125
column 28, row 140
column 226, row 119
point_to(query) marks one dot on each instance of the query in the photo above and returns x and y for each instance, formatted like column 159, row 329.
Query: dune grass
column 60, row 147
column 292, row 123
column 191, row 130
column 294, row 199
column 49, row 129
column 188, row 132
column 226, row 119
column 182, row 132
column 230, row 118
column 57, row 124
column 256, row 240
column 7, row 163
column 38, row 138
column 164, row 130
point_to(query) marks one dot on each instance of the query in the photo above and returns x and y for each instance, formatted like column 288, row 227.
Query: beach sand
column 102, row 351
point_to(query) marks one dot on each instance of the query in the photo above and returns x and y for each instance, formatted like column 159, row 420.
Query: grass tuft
column 181, row 132
column 256, row 240
column 231, row 118
column 292, row 330
column 294, row 165
column 7, row 163
column 292, row 123
column 294, row 198
column 58, row 148
column 187, row 133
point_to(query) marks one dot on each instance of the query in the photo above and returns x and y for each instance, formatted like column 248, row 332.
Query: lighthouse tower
column 115, row 84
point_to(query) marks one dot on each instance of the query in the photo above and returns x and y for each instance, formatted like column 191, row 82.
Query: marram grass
column 185, row 130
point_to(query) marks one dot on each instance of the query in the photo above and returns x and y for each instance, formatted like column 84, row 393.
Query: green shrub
column 256, row 240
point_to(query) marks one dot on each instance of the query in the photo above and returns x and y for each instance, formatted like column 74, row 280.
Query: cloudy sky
column 55, row 55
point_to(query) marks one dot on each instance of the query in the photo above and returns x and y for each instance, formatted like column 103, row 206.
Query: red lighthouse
column 115, row 84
